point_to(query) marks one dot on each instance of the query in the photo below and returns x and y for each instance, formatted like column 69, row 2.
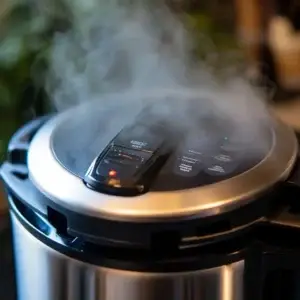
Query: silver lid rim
column 69, row 191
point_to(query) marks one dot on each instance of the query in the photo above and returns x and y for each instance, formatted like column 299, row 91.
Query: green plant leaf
column 10, row 50
column 5, row 97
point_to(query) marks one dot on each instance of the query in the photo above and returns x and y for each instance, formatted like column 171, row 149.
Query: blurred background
column 258, row 37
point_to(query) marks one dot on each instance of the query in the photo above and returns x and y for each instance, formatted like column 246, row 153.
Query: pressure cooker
column 145, row 209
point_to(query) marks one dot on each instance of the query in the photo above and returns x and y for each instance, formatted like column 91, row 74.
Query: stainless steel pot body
column 44, row 273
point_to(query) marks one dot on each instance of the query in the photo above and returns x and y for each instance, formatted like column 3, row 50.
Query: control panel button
column 188, row 163
column 108, row 169
column 121, row 163
column 125, row 156
column 224, row 158
column 221, row 164
column 140, row 138
column 187, row 169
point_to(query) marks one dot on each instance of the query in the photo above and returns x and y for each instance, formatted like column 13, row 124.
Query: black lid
column 234, row 163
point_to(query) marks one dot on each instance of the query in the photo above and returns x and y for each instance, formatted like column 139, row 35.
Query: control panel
column 153, row 156
column 129, row 162
column 217, row 158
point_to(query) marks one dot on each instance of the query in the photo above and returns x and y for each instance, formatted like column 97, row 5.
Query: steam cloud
column 130, row 54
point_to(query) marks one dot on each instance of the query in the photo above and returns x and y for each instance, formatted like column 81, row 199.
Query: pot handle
column 14, row 172
column 17, row 183
column 19, row 144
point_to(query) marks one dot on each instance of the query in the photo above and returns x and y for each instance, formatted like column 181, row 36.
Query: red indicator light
column 112, row 173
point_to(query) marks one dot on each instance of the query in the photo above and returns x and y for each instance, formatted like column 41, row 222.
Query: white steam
column 114, row 48
column 140, row 48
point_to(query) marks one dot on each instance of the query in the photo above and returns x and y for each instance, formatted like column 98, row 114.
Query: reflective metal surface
column 43, row 273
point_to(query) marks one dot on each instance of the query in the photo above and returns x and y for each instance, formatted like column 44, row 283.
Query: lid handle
column 19, row 143
column 14, row 172
column 15, row 178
